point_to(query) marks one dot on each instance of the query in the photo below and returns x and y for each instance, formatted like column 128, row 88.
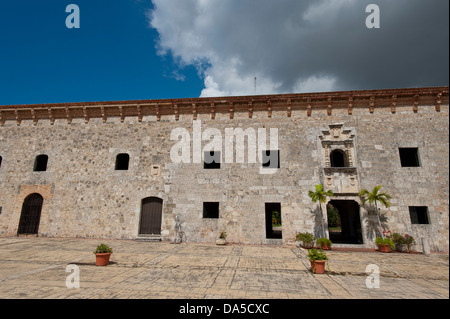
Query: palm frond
column 384, row 201
column 374, row 197
column 376, row 189
column 313, row 196
column 329, row 193
column 385, row 195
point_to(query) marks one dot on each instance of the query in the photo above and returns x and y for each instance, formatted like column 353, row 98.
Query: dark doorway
column 344, row 222
column 30, row 215
column 273, row 220
column 151, row 216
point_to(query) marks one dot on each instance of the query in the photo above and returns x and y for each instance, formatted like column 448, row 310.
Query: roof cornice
column 308, row 102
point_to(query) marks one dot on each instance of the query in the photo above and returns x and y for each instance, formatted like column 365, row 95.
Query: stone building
column 192, row 168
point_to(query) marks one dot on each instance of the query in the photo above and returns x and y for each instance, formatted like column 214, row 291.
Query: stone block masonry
column 85, row 196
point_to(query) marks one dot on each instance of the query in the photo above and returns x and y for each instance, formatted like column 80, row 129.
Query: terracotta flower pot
column 318, row 266
column 102, row 259
column 384, row 248
column 325, row 247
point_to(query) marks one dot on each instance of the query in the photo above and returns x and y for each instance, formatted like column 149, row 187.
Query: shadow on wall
column 371, row 221
column 318, row 217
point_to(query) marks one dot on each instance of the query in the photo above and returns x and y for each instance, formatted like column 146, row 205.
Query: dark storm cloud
column 298, row 46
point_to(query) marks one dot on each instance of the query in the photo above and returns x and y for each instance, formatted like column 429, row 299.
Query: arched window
column 338, row 159
column 40, row 163
column 122, row 162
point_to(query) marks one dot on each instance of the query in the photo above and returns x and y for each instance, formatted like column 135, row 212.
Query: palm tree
column 374, row 197
column 321, row 196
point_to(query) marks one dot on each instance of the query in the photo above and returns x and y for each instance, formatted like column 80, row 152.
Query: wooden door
column 30, row 215
column 151, row 216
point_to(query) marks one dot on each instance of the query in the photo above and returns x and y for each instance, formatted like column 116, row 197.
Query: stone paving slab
column 35, row 268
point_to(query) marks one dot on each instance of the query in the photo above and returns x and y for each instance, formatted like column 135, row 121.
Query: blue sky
column 158, row 49
column 112, row 55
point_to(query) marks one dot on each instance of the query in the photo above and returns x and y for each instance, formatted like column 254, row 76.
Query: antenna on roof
column 255, row 83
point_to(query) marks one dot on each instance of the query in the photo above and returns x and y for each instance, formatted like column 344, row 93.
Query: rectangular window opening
column 211, row 210
column 419, row 215
column 122, row 162
column 212, row 160
column 271, row 159
column 40, row 163
column 409, row 157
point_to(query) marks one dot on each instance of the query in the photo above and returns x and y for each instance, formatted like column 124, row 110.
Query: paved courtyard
column 36, row 268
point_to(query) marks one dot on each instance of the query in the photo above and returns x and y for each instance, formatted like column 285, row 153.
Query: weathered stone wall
column 85, row 197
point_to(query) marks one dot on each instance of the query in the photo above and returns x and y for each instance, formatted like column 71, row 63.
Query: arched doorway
column 30, row 215
column 151, row 216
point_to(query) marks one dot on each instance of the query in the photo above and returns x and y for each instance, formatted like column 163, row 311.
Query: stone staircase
column 152, row 238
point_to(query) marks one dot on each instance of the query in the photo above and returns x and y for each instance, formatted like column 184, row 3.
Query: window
column 409, row 157
column 122, row 162
column 40, row 163
column 211, row 210
column 419, row 214
column 271, row 159
column 211, row 160
column 338, row 159
column 0, row 162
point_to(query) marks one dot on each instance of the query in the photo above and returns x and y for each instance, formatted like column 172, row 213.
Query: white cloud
column 316, row 84
column 300, row 46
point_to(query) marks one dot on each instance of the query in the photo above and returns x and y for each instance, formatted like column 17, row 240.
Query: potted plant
column 317, row 260
column 222, row 239
column 403, row 243
column 102, row 255
column 306, row 239
column 384, row 244
column 324, row 243
column 409, row 242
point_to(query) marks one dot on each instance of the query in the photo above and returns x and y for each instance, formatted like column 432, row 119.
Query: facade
column 192, row 168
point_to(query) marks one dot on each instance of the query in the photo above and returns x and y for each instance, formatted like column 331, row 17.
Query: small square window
column 211, row 210
column 211, row 160
column 271, row 159
column 409, row 157
column 40, row 163
column 122, row 162
column 419, row 215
